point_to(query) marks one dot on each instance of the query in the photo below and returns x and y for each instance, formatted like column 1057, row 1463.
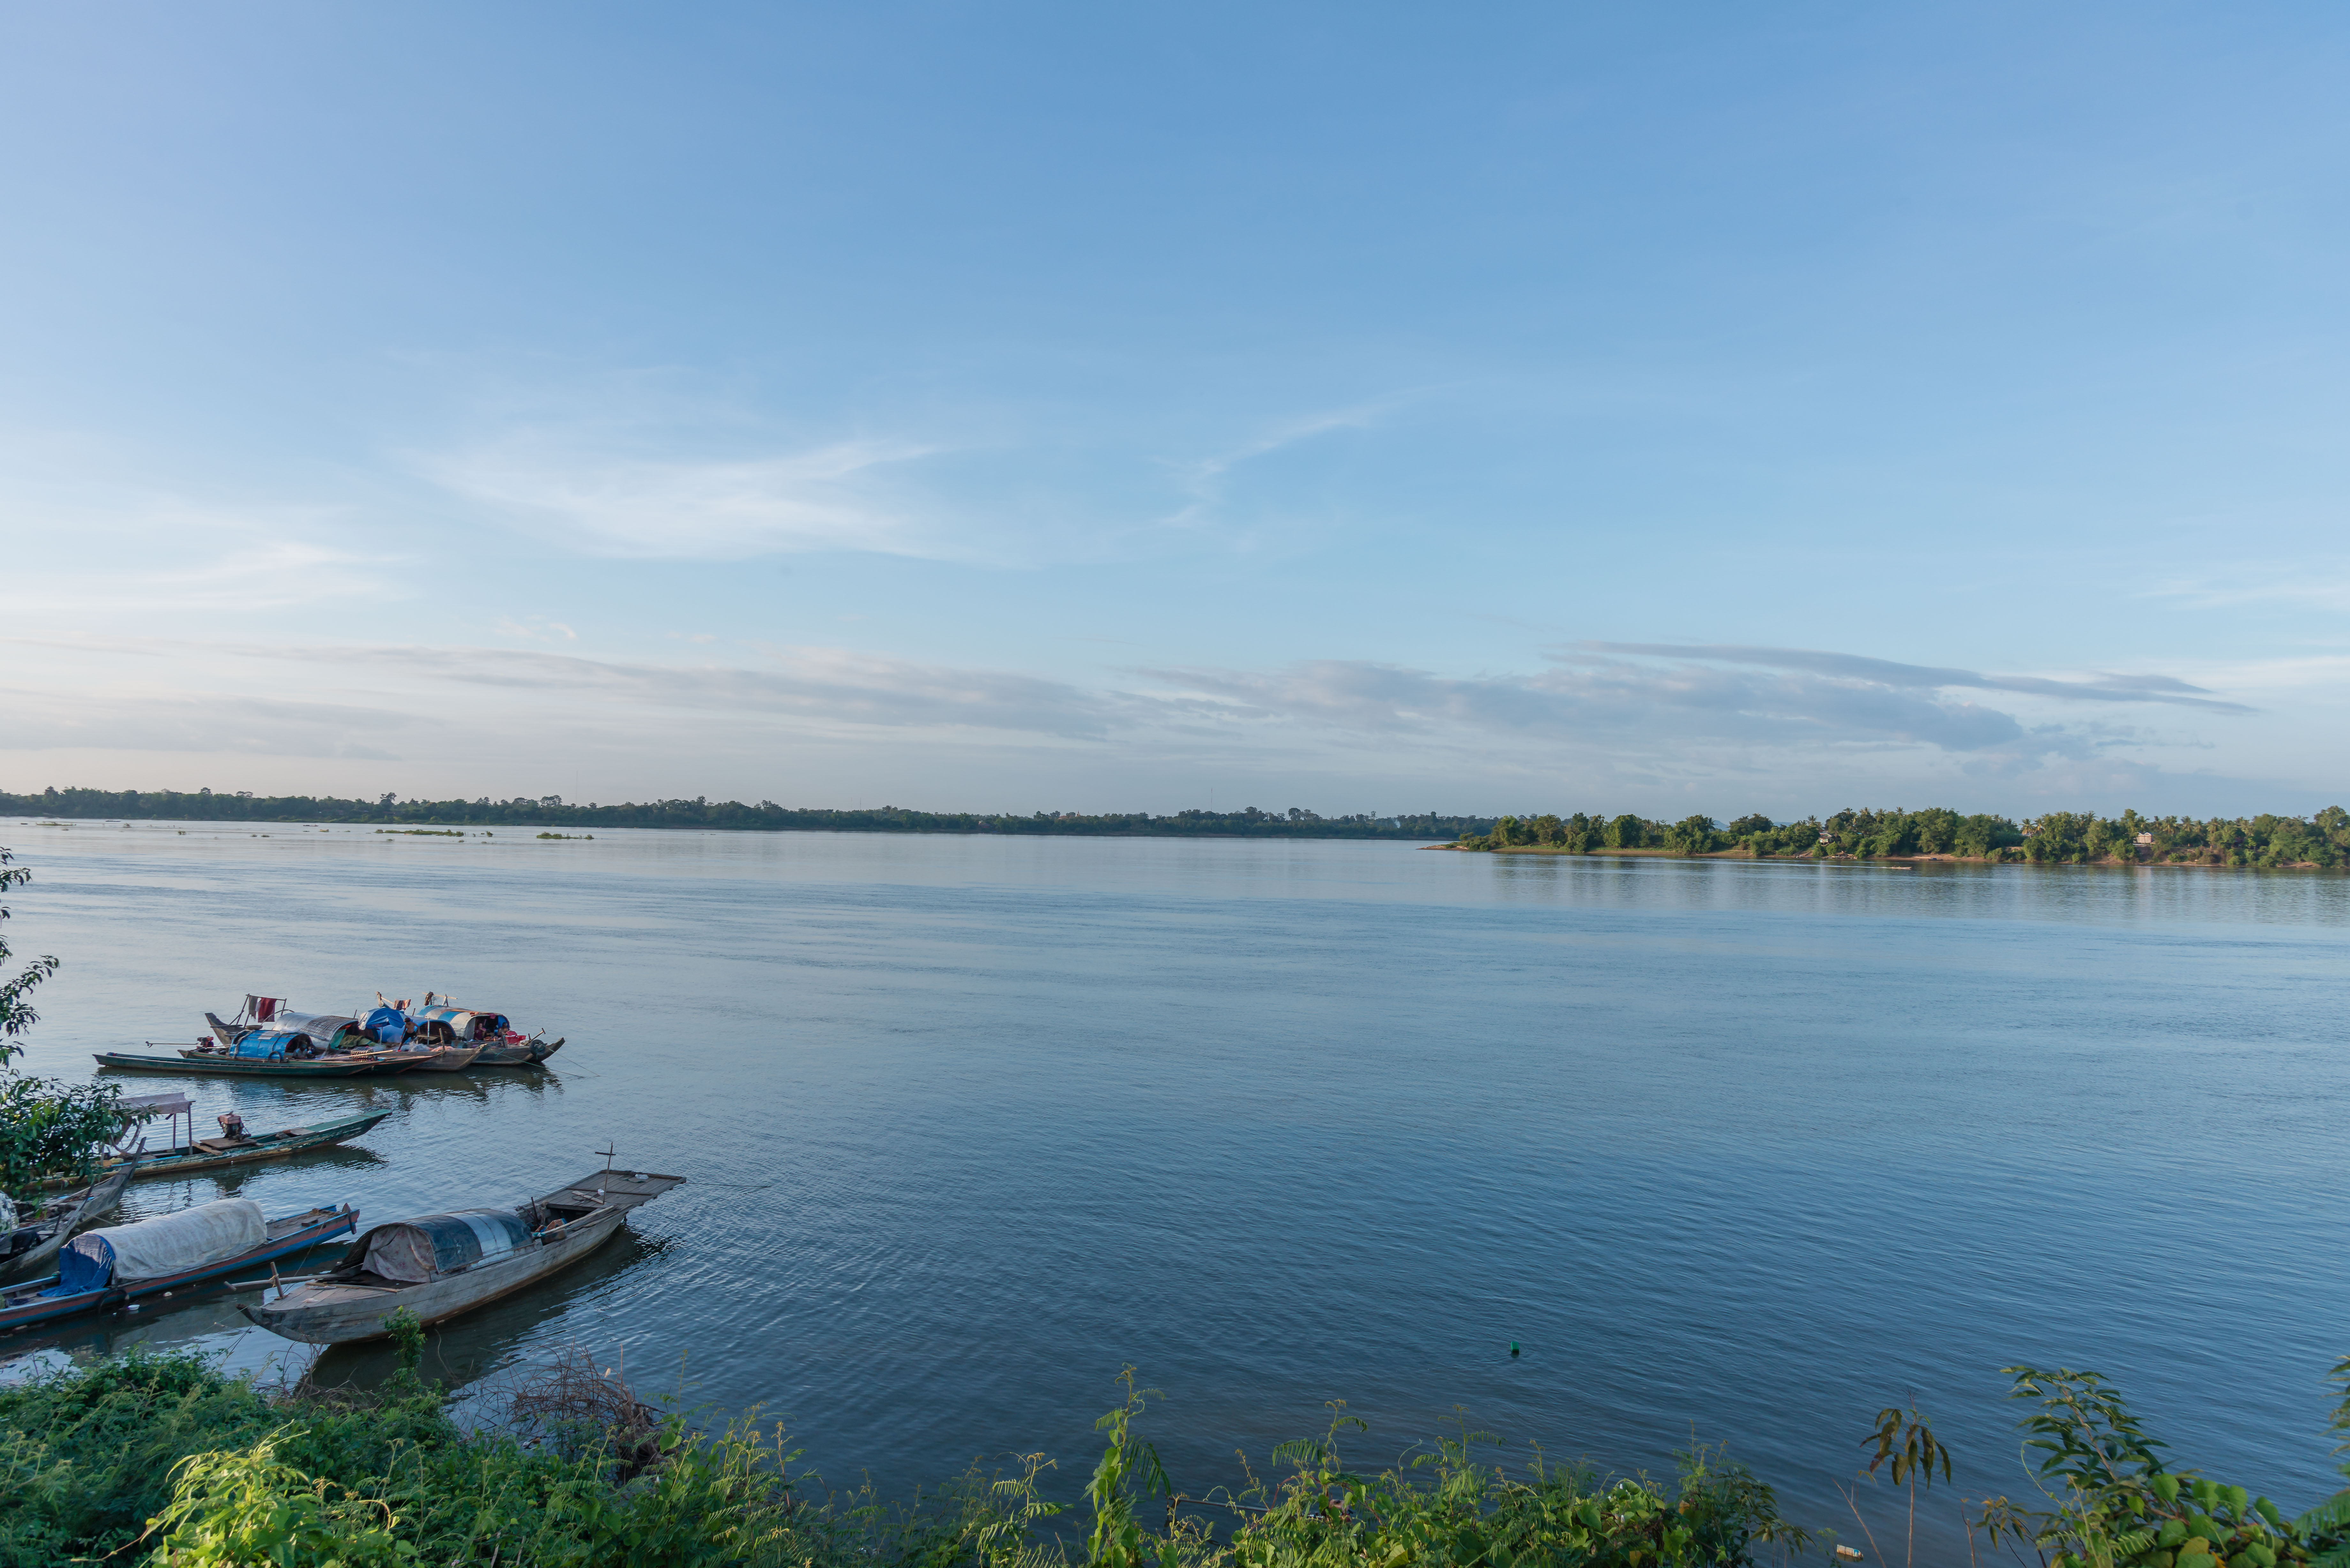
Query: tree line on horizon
column 553, row 811
column 2059, row 838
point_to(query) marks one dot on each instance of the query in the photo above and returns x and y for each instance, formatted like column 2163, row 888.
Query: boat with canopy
column 116, row 1265
column 441, row 1035
column 441, row 1265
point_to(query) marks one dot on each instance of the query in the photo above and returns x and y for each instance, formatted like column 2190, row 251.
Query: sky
column 1010, row 407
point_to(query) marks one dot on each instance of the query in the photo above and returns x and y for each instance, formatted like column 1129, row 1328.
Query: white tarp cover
column 171, row 1243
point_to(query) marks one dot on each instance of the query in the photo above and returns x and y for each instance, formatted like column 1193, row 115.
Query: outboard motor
column 232, row 1126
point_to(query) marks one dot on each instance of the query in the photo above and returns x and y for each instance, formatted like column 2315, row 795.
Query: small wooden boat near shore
column 106, row 1268
column 219, row 1153
column 441, row 1265
column 37, row 1235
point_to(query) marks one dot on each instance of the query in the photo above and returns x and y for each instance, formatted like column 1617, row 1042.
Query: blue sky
column 1109, row 408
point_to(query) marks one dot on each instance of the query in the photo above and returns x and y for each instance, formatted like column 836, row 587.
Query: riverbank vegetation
column 553, row 811
column 2059, row 838
column 163, row 1460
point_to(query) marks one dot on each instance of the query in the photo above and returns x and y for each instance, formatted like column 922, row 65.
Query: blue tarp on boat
column 387, row 1024
column 268, row 1043
column 86, row 1264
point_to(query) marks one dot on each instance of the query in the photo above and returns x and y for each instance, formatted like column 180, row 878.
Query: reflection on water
column 970, row 1123
column 492, row 1339
column 197, row 1318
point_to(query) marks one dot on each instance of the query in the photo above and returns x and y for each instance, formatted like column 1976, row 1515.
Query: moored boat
column 34, row 1237
column 109, row 1267
column 502, row 1045
column 186, row 1061
column 217, row 1154
column 314, row 1037
column 441, row 1265
column 438, row 1036
column 523, row 1053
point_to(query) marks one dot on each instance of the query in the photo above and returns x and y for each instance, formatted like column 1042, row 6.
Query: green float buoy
column 1514, row 1347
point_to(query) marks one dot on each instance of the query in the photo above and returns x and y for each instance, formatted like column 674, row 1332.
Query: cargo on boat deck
column 414, row 1251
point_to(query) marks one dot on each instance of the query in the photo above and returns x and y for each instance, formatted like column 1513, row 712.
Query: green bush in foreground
column 165, row 1459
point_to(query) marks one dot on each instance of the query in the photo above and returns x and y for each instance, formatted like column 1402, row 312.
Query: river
column 971, row 1122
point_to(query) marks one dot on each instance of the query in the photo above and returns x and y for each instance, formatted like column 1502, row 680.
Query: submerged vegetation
column 165, row 1459
column 2059, row 838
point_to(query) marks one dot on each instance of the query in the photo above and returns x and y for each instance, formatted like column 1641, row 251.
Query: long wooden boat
column 448, row 1059
column 442, row 1265
column 218, row 1153
column 34, row 1241
column 523, row 1053
column 44, row 1300
column 236, row 1066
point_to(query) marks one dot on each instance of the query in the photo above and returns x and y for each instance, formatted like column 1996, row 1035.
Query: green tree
column 1626, row 832
column 1691, row 836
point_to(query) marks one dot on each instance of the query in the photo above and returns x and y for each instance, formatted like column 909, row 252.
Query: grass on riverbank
column 166, row 1460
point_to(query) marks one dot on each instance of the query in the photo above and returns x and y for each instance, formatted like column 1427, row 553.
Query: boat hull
column 449, row 1059
column 93, row 1201
column 179, row 1161
column 297, row 1233
column 333, row 1313
column 231, row 1066
column 527, row 1054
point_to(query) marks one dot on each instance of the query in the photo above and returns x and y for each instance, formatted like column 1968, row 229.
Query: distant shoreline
column 733, row 816
column 1742, row 854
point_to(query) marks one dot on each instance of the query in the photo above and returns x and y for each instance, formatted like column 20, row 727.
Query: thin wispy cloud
column 828, row 497
column 2101, row 688
column 1208, row 481
column 1613, row 703
column 2326, row 587
column 832, row 685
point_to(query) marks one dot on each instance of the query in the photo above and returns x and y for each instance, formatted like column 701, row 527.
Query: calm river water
column 971, row 1122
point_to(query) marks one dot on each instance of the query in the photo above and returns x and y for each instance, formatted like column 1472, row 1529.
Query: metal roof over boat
column 320, row 1027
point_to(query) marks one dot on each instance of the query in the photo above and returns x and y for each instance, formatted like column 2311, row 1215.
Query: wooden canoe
column 185, row 1060
column 523, row 1053
column 349, row 1303
column 215, row 1153
column 23, row 1304
column 59, row 1218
